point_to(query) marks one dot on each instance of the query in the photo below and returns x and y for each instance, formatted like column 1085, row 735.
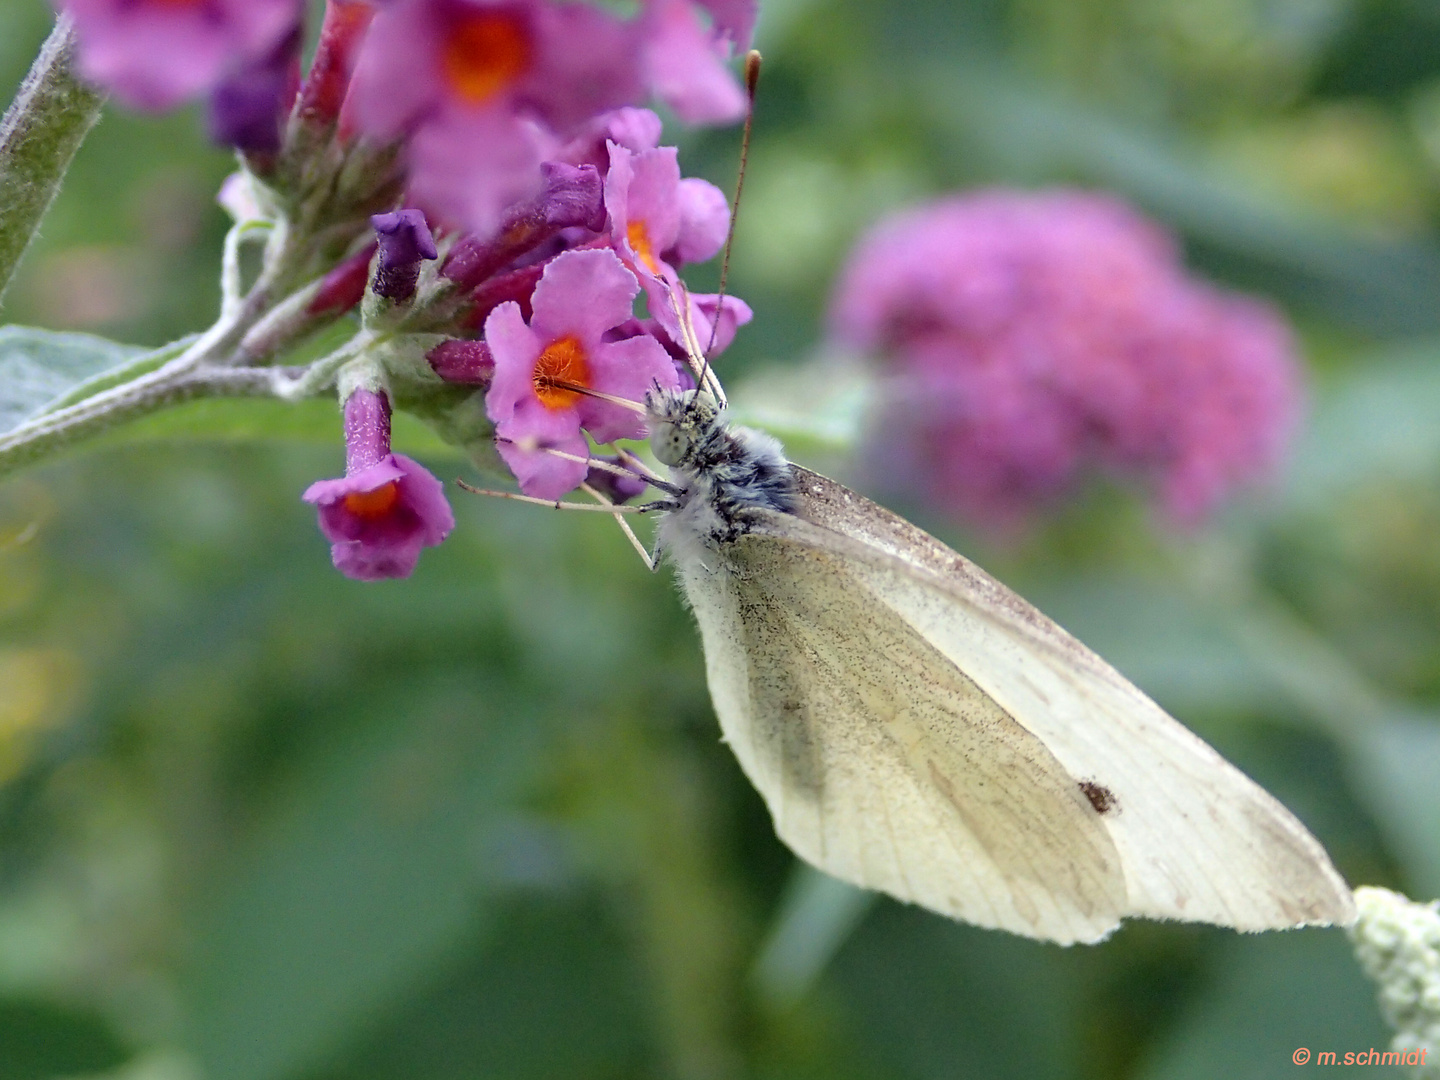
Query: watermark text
column 1303, row 1055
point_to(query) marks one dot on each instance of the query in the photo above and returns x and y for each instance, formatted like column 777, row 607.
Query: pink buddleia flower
column 658, row 220
column 581, row 296
column 386, row 507
column 733, row 313
column 635, row 129
column 1028, row 336
column 684, row 63
column 484, row 90
column 154, row 54
column 733, row 22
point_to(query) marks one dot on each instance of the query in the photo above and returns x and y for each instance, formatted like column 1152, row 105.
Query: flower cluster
column 1027, row 336
column 478, row 177
column 568, row 321
column 479, row 92
column 1397, row 942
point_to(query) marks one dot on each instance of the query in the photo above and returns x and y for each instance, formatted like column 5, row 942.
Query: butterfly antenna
column 752, row 80
column 699, row 362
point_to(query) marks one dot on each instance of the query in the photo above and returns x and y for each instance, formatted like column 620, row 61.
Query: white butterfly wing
column 1197, row 839
column 882, row 763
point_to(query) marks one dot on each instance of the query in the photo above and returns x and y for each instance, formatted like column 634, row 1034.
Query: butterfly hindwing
column 883, row 763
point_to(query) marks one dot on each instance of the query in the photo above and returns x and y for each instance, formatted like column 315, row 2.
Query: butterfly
column 917, row 728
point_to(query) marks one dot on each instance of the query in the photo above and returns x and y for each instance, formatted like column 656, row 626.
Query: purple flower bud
column 386, row 508
column 341, row 32
column 1031, row 335
column 248, row 108
column 461, row 361
column 405, row 242
column 517, row 285
column 573, row 197
column 344, row 286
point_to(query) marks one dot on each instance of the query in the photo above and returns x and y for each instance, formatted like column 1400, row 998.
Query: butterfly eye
column 668, row 444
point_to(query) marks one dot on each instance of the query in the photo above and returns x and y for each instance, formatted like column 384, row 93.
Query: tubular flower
column 248, row 107
column 1028, row 336
column 154, row 54
column 581, row 296
column 658, row 220
column 386, row 507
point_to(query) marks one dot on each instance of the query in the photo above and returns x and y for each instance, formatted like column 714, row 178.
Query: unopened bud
column 405, row 242
column 461, row 361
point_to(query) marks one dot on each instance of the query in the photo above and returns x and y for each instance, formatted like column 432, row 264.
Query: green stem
column 141, row 365
column 54, row 432
column 39, row 135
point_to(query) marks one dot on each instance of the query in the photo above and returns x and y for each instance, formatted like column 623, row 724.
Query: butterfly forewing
column 1197, row 839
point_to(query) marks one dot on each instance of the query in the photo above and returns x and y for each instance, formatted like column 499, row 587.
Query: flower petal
column 515, row 348
column 522, row 445
column 704, row 221
column 683, row 69
column 467, row 166
column 582, row 293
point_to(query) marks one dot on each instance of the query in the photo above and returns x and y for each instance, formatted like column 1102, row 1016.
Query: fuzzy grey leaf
column 39, row 366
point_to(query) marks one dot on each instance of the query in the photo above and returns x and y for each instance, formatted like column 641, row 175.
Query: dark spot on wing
column 1101, row 797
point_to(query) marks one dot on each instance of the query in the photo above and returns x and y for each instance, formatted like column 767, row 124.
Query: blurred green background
column 260, row 822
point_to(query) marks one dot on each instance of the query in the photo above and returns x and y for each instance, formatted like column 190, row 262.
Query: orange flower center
column 374, row 504
column 562, row 361
column 640, row 244
column 484, row 55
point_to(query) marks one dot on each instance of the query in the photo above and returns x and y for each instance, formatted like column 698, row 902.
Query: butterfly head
column 679, row 422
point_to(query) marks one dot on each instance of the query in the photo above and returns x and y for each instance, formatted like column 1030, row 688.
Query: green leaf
column 38, row 367
column 373, row 870
column 41, row 1040
column 1274, row 994
column 1381, row 420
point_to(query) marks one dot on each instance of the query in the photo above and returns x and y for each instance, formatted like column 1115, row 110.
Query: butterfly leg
column 645, row 556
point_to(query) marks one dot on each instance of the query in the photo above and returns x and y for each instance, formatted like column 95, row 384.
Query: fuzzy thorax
column 724, row 472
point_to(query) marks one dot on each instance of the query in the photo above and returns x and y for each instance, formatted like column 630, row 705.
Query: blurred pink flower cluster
column 480, row 92
column 1029, row 336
